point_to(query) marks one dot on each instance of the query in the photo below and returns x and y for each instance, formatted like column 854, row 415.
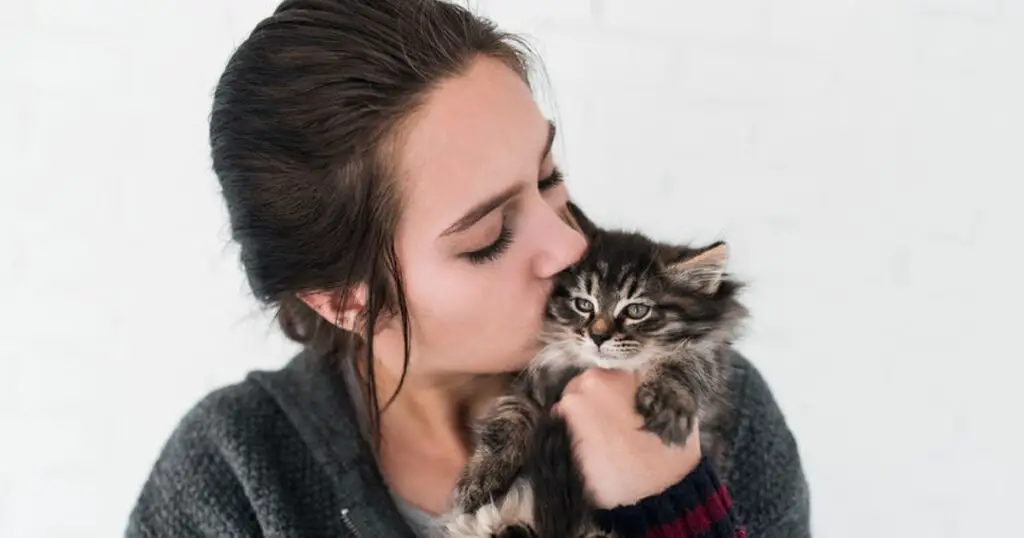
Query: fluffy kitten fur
column 630, row 303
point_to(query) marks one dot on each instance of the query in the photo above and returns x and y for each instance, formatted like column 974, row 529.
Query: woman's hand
column 621, row 463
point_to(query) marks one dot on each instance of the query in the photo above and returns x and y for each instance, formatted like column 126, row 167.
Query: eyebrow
column 483, row 208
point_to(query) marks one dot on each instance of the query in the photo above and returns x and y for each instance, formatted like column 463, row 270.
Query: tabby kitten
column 670, row 312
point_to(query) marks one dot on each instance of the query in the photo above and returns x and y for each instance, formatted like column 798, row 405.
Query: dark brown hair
column 305, row 122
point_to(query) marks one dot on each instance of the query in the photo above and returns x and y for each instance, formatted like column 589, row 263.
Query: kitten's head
column 630, row 300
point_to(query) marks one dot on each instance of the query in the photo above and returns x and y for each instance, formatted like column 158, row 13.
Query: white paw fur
column 516, row 507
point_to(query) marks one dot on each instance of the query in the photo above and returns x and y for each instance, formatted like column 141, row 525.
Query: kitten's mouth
column 613, row 358
column 608, row 361
column 605, row 355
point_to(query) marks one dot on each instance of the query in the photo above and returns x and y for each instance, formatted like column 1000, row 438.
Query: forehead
column 475, row 134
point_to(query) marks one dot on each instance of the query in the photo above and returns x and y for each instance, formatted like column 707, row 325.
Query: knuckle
column 568, row 402
column 590, row 380
column 571, row 406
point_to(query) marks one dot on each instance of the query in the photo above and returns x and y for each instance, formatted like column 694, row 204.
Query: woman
column 389, row 179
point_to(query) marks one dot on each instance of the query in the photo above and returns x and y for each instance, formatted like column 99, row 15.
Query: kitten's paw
column 477, row 488
column 502, row 442
column 509, row 516
column 668, row 410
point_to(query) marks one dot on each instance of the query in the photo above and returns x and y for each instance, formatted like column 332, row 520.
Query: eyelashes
column 555, row 179
column 494, row 250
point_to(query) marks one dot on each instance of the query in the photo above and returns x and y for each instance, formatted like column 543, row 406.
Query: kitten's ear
column 581, row 221
column 703, row 269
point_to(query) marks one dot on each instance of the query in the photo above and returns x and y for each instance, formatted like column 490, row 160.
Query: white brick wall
column 865, row 158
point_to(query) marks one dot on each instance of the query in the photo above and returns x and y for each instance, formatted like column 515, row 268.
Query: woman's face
column 484, row 226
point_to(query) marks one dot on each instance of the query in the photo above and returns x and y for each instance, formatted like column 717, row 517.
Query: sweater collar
column 313, row 395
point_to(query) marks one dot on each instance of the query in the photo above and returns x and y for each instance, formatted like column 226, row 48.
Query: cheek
column 449, row 301
column 474, row 302
column 439, row 294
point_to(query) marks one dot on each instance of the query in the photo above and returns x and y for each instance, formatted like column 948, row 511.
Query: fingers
column 599, row 394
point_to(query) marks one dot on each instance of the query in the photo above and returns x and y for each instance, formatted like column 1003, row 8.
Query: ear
column 581, row 221
column 703, row 269
column 341, row 309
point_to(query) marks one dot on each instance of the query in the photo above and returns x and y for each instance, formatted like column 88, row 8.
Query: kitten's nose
column 599, row 338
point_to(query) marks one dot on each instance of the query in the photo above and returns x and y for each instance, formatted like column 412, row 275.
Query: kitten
column 670, row 312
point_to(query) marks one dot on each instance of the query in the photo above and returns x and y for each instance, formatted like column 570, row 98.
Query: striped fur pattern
column 667, row 311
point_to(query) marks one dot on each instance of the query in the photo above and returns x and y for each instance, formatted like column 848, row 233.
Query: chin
column 518, row 361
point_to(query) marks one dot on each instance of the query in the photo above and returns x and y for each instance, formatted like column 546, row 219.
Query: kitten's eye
column 637, row 310
column 583, row 305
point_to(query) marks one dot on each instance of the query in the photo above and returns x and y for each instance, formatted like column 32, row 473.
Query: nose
column 599, row 338
column 561, row 246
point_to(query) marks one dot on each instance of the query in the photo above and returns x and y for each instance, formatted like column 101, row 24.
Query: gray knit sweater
column 280, row 454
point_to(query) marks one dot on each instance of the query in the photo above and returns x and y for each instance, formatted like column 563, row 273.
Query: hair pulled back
column 304, row 129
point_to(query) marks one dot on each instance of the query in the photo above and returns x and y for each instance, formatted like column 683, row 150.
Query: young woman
column 389, row 179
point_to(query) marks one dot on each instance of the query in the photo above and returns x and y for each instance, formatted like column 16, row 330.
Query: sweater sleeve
column 765, row 476
column 698, row 506
column 192, row 490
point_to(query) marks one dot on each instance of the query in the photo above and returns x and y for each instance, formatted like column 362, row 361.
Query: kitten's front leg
column 667, row 401
column 502, row 436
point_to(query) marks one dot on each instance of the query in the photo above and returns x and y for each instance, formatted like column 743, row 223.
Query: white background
column 866, row 160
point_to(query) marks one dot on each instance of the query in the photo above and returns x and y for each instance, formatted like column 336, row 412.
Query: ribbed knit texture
column 279, row 454
column 697, row 507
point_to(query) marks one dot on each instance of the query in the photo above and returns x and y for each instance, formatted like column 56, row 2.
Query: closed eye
column 554, row 179
column 498, row 247
column 494, row 250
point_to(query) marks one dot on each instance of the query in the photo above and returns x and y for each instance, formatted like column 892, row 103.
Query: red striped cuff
column 698, row 506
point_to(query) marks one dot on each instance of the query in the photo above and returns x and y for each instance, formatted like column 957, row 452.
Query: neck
column 433, row 410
